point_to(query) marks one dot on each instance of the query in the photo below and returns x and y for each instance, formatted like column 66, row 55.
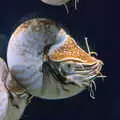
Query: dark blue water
column 99, row 21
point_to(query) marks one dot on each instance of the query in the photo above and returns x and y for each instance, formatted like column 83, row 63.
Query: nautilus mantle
column 48, row 63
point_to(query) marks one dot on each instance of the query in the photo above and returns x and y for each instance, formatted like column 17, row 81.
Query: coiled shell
column 61, row 2
column 3, row 90
column 6, row 106
column 38, row 54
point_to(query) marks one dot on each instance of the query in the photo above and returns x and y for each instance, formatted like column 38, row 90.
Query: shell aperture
column 47, row 61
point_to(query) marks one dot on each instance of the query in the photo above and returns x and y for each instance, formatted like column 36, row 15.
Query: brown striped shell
column 47, row 62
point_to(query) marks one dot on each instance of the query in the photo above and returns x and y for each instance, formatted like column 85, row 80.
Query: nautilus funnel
column 47, row 62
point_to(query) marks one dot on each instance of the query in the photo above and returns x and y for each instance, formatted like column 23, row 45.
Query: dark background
column 99, row 21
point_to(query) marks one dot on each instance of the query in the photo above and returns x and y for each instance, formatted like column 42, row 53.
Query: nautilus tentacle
column 47, row 62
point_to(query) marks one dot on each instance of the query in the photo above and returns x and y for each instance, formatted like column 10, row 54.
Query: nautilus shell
column 60, row 2
column 3, row 90
column 55, row 2
column 48, row 63
column 8, row 110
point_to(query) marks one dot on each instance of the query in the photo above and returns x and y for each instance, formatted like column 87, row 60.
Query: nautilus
column 48, row 63
column 60, row 2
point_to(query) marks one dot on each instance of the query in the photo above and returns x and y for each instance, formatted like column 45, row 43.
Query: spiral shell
column 9, row 89
column 6, row 106
column 3, row 90
column 47, row 62
column 60, row 2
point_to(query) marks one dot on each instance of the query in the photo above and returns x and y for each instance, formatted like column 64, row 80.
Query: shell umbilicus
column 47, row 62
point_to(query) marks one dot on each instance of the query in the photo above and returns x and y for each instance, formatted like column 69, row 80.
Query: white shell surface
column 55, row 2
column 25, row 51
column 7, row 110
column 3, row 90
column 25, row 57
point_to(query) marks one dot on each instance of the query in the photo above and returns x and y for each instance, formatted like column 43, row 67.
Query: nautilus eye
column 60, row 2
column 47, row 62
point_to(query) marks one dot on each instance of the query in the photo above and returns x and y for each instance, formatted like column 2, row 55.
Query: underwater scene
column 59, row 60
